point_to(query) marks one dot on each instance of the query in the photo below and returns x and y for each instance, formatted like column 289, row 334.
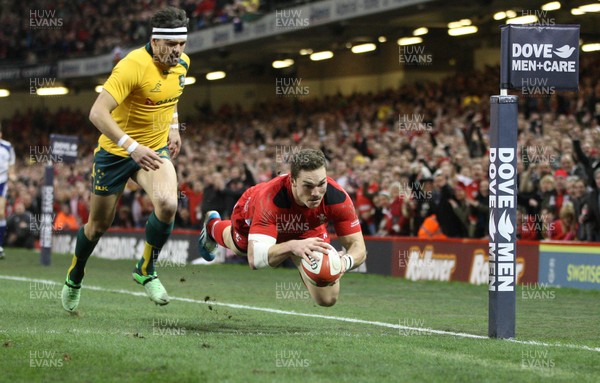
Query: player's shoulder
column 276, row 191
column 334, row 194
column 139, row 57
column 5, row 144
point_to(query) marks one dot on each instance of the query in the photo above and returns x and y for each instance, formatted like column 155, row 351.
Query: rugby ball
column 325, row 269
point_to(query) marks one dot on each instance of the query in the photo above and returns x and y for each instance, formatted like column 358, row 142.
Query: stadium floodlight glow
column 420, row 31
column 98, row 88
column 510, row 14
column 591, row 47
column 323, row 55
column 279, row 64
column 527, row 19
column 362, row 48
column 4, row 93
column 382, row 39
column 463, row 30
column 211, row 76
column 551, row 6
column 590, row 8
column 305, row 52
column 459, row 23
column 52, row 91
column 409, row 40
column 500, row 15
column 189, row 80
column 577, row 12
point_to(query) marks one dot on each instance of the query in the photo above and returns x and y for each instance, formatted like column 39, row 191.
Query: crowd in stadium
column 413, row 159
column 43, row 31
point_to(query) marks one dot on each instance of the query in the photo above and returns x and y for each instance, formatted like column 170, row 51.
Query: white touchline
column 328, row 317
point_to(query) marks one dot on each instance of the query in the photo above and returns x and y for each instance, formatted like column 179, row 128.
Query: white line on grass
column 328, row 317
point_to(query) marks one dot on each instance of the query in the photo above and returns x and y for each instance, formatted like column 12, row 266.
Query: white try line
column 328, row 317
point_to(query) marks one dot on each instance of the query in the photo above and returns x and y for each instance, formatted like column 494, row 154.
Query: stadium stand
column 97, row 27
column 397, row 178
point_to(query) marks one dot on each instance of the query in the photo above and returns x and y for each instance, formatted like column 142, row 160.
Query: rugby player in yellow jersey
column 136, row 113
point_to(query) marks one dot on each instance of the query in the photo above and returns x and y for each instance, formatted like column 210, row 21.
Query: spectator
column 79, row 202
column 589, row 163
column 548, row 193
column 560, row 179
column 194, row 199
column 461, row 208
column 430, row 229
column 526, row 225
column 65, row 219
column 547, row 218
column 449, row 222
column 479, row 210
column 18, row 228
column 382, row 206
column 183, row 218
column 423, row 204
column 124, row 218
column 401, row 208
column 564, row 228
column 528, row 195
column 568, row 165
column 591, row 211
column 214, row 194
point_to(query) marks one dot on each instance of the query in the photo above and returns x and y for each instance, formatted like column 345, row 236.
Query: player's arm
column 174, row 140
column 356, row 250
column 347, row 227
column 102, row 119
column 263, row 250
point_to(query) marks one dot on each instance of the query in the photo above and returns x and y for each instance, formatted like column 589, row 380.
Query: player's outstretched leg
column 157, row 233
column 206, row 244
column 71, row 291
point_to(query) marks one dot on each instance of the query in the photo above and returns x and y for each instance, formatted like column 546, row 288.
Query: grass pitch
column 227, row 323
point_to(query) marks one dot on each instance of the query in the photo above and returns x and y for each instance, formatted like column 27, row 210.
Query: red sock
column 215, row 229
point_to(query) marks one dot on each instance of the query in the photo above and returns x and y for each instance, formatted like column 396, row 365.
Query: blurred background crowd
column 105, row 26
column 414, row 159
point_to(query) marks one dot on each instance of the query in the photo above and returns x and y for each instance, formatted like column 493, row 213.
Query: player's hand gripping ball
column 324, row 271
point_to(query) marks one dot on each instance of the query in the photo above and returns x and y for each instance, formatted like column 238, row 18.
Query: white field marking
column 328, row 317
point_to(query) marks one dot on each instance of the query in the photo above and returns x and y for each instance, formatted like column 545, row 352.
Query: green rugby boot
column 71, row 293
column 154, row 289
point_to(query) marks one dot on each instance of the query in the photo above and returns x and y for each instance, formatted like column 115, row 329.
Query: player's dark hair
column 169, row 17
column 306, row 159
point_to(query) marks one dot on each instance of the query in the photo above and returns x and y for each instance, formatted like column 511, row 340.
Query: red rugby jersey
column 270, row 209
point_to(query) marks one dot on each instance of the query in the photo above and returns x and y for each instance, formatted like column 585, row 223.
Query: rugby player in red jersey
column 287, row 217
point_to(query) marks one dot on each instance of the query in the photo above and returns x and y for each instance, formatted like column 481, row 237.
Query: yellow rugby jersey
column 146, row 98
